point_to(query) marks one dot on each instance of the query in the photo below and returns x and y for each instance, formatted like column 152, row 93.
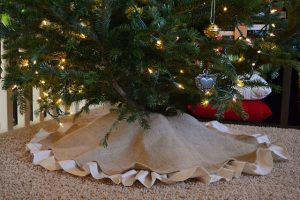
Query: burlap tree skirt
column 174, row 149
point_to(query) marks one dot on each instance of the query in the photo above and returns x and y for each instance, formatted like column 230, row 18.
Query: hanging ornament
column 206, row 81
column 212, row 30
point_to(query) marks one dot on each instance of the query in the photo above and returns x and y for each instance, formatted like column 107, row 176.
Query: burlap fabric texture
column 174, row 149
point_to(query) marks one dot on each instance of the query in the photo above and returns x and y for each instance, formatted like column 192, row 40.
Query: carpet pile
column 20, row 179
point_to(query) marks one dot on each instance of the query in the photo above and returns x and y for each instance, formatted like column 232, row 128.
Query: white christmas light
column 240, row 83
column 241, row 59
column 21, row 50
column 234, row 99
column 150, row 71
column 83, row 24
column 25, row 63
column 273, row 11
column 272, row 34
column 159, row 44
column 45, row 23
column 82, row 36
column 205, row 102
column 208, row 93
column 180, row 86
column 59, row 101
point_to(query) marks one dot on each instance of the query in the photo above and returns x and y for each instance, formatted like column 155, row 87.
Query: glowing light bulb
column 253, row 64
column 241, row 59
column 273, row 25
column 45, row 23
column 240, row 83
column 205, row 102
column 61, row 124
column 272, row 34
column 34, row 62
column 82, row 36
column 63, row 60
column 249, row 42
column 25, row 63
column 39, row 98
column 208, row 93
column 14, row 87
column 43, row 82
column 225, row 9
column 259, row 51
column 62, row 67
column 21, row 50
column 180, row 86
column 177, row 38
column 36, row 72
column 234, row 99
column 181, row 71
column 59, row 101
column 159, row 44
column 273, row 11
column 150, row 71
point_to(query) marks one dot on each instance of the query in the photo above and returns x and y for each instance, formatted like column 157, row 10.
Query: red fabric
column 257, row 110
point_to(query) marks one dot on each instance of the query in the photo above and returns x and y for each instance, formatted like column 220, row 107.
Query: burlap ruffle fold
column 232, row 168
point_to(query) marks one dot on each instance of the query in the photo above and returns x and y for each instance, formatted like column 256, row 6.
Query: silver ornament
column 206, row 81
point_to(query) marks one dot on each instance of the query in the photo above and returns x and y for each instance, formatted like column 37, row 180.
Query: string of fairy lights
column 239, row 83
column 159, row 44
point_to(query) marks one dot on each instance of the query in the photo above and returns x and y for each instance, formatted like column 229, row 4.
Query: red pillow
column 257, row 110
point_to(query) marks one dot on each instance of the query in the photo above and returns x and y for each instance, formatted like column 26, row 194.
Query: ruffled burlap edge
column 231, row 169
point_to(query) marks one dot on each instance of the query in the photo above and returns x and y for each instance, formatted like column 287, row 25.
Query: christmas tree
column 149, row 59
column 143, row 55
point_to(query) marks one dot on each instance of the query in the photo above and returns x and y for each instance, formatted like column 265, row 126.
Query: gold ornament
column 212, row 30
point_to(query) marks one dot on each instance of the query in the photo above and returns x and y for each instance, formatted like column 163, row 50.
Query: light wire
column 213, row 11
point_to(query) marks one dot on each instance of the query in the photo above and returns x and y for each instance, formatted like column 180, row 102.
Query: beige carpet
column 20, row 179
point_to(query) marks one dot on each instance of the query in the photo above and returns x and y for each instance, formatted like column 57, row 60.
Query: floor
column 19, row 179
